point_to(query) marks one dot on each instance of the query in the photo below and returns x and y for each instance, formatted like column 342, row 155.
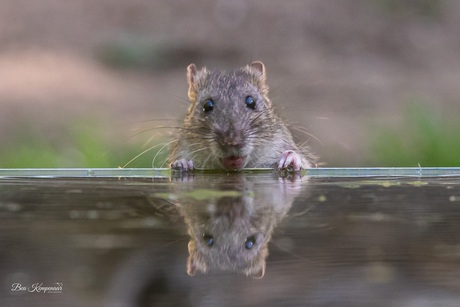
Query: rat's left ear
column 260, row 67
column 259, row 77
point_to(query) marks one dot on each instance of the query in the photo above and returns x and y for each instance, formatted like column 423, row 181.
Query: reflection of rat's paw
column 182, row 165
column 290, row 161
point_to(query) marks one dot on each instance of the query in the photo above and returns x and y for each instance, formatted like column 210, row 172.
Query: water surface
column 247, row 239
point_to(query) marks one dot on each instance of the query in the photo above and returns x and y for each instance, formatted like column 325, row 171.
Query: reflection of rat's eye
column 250, row 102
column 250, row 242
column 208, row 105
column 208, row 239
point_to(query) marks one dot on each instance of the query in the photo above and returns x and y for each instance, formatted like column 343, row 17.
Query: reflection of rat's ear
column 195, row 261
column 259, row 273
column 191, row 267
column 257, row 270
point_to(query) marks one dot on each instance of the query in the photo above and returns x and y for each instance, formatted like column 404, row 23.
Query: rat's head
column 228, row 235
column 229, row 112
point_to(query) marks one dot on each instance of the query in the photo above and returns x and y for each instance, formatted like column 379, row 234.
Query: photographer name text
column 37, row 288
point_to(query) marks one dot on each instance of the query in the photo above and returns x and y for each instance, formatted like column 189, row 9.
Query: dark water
column 238, row 240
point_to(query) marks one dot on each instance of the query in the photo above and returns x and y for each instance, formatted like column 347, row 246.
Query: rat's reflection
column 231, row 224
column 230, row 221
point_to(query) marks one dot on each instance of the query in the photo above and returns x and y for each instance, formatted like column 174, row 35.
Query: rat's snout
column 232, row 145
column 235, row 142
column 230, row 136
column 232, row 139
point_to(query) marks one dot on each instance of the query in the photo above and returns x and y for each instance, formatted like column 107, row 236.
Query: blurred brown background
column 80, row 80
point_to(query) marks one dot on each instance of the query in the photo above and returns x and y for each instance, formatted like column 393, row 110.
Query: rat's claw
column 182, row 165
column 290, row 161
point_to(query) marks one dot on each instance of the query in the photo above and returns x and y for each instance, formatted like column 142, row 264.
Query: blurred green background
column 97, row 83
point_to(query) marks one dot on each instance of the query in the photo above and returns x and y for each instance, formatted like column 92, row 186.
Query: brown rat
column 231, row 124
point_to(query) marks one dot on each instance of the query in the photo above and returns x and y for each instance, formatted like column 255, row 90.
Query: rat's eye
column 250, row 102
column 208, row 239
column 208, row 105
column 250, row 242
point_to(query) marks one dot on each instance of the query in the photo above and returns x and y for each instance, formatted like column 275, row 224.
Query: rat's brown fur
column 232, row 129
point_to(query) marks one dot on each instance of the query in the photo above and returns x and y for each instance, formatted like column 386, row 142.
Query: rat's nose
column 233, row 143
column 232, row 139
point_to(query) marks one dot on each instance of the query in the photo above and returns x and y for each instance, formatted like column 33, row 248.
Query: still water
column 247, row 239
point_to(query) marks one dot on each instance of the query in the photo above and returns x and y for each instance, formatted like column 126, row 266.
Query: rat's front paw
column 290, row 161
column 182, row 165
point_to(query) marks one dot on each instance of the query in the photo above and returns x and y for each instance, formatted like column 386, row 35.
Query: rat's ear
column 191, row 74
column 191, row 79
column 194, row 78
column 259, row 77
column 260, row 67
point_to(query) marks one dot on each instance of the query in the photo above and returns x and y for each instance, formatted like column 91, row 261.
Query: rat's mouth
column 233, row 163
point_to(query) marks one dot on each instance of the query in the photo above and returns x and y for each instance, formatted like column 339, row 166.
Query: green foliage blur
column 416, row 8
column 426, row 138
column 83, row 145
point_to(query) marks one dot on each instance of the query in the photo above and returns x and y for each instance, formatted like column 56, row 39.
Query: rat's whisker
column 207, row 160
column 302, row 130
column 142, row 153
column 152, row 129
column 193, row 153
column 161, row 149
